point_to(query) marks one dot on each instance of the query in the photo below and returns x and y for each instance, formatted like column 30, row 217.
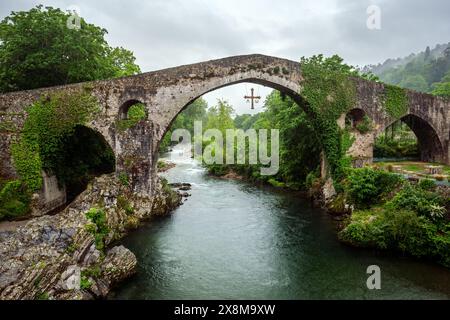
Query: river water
column 232, row 240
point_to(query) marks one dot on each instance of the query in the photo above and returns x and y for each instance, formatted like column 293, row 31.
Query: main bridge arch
column 167, row 92
column 193, row 81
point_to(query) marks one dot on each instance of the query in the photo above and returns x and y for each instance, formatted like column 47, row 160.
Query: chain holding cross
column 252, row 98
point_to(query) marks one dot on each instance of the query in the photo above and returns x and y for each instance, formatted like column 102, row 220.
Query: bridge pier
column 135, row 165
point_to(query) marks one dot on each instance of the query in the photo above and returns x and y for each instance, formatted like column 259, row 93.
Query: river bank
column 72, row 255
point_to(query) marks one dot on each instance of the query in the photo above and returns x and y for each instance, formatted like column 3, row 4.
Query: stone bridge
column 166, row 92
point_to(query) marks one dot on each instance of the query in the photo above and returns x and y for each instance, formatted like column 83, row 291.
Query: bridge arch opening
column 302, row 161
column 86, row 154
column 430, row 146
column 285, row 91
column 131, row 109
column 354, row 117
column 413, row 138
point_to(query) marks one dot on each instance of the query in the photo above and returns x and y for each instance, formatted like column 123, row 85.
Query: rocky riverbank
column 70, row 255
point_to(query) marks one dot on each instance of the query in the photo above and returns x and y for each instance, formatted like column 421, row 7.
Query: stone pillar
column 134, row 158
column 328, row 191
column 361, row 150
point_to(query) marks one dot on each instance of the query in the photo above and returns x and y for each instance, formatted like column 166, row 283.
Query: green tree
column 442, row 88
column 37, row 49
column 240, row 119
column 220, row 117
column 196, row 111
column 415, row 82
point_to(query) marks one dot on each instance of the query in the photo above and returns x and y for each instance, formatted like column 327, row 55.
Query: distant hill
column 424, row 71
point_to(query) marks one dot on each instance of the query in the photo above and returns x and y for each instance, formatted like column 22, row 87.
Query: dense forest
column 426, row 71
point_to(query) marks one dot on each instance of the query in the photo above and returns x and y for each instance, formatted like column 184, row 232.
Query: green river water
column 232, row 240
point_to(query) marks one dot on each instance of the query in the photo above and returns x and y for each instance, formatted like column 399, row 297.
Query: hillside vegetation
column 426, row 71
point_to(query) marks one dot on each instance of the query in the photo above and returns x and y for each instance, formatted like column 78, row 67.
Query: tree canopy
column 38, row 49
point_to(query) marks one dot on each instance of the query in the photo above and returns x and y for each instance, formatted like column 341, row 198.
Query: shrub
column 403, row 230
column 85, row 283
column 366, row 229
column 366, row 186
column 365, row 125
column 14, row 200
column 136, row 113
column 425, row 203
column 99, row 227
column 427, row 184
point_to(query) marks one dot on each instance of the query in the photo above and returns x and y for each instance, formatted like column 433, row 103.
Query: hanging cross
column 252, row 97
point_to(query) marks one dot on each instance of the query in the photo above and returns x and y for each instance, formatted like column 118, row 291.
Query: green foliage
column 366, row 186
column 98, row 226
column 43, row 296
column 161, row 164
column 220, row 117
column 425, row 71
column 417, row 199
column 299, row 149
column 41, row 144
column 135, row 114
column 7, row 126
column 276, row 184
column 14, row 200
column 365, row 229
column 365, row 125
column 196, row 111
column 415, row 82
column 442, row 88
column 28, row 164
column 399, row 229
column 123, row 178
column 37, row 49
column 85, row 283
column 172, row 196
column 395, row 101
column 246, row 121
column 311, row 179
column 330, row 92
column 398, row 141
column 92, row 272
column 427, row 184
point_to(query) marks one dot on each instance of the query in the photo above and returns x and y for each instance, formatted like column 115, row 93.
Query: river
column 233, row 240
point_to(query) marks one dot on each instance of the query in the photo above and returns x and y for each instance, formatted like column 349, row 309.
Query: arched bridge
column 166, row 92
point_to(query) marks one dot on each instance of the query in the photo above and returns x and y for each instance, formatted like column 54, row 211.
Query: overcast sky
column 167, row 33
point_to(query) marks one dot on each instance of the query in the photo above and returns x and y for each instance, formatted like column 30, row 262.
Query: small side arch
column 125, row 107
